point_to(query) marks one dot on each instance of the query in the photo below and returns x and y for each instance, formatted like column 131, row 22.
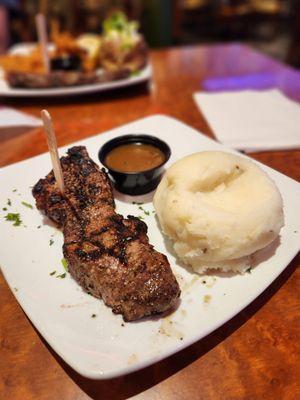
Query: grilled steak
column 108, row 255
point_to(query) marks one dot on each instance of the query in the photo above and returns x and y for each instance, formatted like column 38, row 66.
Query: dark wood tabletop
column 253, row 356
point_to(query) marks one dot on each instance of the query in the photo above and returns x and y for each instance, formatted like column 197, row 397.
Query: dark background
column 272, row 26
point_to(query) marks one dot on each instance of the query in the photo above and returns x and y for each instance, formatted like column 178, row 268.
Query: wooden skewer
column 51, row 140
column 40, row 22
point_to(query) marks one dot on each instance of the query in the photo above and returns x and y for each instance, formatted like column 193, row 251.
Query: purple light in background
column 250, row 81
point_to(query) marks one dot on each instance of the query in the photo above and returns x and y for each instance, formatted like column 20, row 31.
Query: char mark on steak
column 108, row 255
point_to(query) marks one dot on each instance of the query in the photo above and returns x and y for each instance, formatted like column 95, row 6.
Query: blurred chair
column 233, row 19
column 268, row 18
column 192, row 18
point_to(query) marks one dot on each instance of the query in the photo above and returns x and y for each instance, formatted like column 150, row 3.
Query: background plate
column 103, row 346
column 7, row 91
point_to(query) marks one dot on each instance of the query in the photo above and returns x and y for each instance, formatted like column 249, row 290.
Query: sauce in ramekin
column 135, row 157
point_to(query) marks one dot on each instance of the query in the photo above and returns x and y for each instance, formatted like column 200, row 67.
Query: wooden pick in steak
column 40, row 22
column 52, row 145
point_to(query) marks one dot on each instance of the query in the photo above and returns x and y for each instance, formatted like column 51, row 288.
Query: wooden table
column 253, row 356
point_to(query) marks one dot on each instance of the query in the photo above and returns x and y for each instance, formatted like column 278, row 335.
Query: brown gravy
column 134, row 157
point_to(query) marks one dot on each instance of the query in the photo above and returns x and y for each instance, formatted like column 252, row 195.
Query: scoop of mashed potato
column 218, row 208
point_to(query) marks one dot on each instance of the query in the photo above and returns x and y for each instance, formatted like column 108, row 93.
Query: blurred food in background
column 122, row 45
column 88, row 58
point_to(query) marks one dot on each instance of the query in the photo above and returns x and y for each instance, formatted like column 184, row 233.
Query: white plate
column 7, row 91
column 102, row 347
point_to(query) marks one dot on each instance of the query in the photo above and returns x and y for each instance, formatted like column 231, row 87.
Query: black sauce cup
column 140, row 182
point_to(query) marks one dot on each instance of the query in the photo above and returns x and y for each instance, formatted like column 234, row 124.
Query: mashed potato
column 218, row 209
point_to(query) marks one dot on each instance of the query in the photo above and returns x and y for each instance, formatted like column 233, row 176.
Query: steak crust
column 108, row 255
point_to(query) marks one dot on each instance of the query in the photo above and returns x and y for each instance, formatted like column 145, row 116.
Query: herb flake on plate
column 28, row 205
column 52, row 273
column 8, row 202
column 144, row 211
column 14, row 217
column 61, row 275
column 51, row 242
column 65, row 264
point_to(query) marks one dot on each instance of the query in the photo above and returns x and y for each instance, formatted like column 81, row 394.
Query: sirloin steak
column 108, row 255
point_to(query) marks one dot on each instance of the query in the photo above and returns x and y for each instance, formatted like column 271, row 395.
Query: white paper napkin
column 11, row 118
column 252, row 120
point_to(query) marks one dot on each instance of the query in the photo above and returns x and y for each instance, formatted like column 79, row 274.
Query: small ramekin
column 140, row 182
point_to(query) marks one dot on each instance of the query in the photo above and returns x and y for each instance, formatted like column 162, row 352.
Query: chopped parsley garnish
column 61, row 275
column 65, row 264
column 51, row 242
column 52, row 273
column 140, row 217
column 15, row 218
column 144, row 211
column 8, row 202
column 15, row 190
column 4, row 208
column 27, row 204
column 93, row 315
column 249, row 270
column 38, row 227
